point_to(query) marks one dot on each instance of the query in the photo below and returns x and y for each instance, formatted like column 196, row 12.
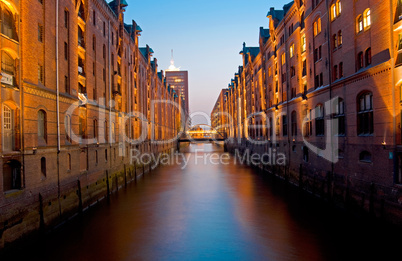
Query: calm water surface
column 214, row 212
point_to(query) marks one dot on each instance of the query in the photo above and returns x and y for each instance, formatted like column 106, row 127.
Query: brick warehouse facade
column 316, row 51
column 70, row 79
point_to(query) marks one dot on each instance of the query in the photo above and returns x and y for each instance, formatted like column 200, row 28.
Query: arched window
column 365, row 123
column 340, row 126
column 339, row 7
column 333, row 12
column 368, row 56
column 12, row 175
column 317, row 26
column 365, row 156
column 294, row 123
column 43, row 166
column 8, row 26
column 319, row 120
column 367, row 18
column 8, row 129
column 359, row 23
column 7, row 64
column 42, row 127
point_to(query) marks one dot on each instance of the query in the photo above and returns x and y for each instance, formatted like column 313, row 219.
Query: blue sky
column 206, row 37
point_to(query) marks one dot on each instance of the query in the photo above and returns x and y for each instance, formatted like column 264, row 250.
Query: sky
column 206, row 36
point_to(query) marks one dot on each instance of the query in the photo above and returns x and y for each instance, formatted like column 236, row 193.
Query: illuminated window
column 339, row 7
column 303, row 44
column 333, row 12
column 359, row 23
column 291, row 50
column 339, row 38
column 317, row 26
column 283, row 58
column 367, row 18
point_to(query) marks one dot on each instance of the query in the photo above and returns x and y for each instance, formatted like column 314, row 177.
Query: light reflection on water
column 211, row 212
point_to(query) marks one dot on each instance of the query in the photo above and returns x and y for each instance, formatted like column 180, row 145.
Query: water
column 213, row 212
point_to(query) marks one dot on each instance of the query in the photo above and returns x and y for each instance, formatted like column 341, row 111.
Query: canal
column 209, row 211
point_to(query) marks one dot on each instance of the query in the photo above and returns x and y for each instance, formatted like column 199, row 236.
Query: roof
column 278, row 15
column 144, row 51
column 250, row 51
column 264, row 34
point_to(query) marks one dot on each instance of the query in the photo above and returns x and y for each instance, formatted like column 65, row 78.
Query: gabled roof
column 251, row 52
column 264, row 34
column 143, row 51
column 278, row 15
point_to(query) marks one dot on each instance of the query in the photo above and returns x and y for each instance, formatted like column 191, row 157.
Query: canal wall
column 340, row 187
column 25, row 213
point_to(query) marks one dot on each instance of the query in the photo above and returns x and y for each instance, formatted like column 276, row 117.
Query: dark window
column 365, row 123
column 42, row 127
column 341, row 70
column 304, row 72
column 68, row 161
column 65, row 51
column 285, row 125
column 43, row 166
column 365, row 156
column 340, row 125
column 94, row 17
column 40, row 33
column 95, row 126
column 302, row 24
column 360, row 61
column 294, row 123
column 12, row 175
column 66, row 18
column 305, row 154
column 335, row 72
column 319, row 121
column 66, row 84
column 368, row 56
column 81, row 11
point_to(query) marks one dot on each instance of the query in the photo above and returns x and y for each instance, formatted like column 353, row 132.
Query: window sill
column 365, row 135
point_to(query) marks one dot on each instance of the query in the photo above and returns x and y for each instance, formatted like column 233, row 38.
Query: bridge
column 202, row 133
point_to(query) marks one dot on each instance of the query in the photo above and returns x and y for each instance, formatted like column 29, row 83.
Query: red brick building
column 324, row 87
column 75, row 89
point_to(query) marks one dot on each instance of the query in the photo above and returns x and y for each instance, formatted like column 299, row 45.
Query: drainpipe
column 392, row 50
column 58, row 101
column 330, row 94
column 22, row 143
column 110, row 97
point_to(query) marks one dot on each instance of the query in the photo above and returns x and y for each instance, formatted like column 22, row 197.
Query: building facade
column 219, row 116
column 324, row 88
column 77, row 96
column 178, row 80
